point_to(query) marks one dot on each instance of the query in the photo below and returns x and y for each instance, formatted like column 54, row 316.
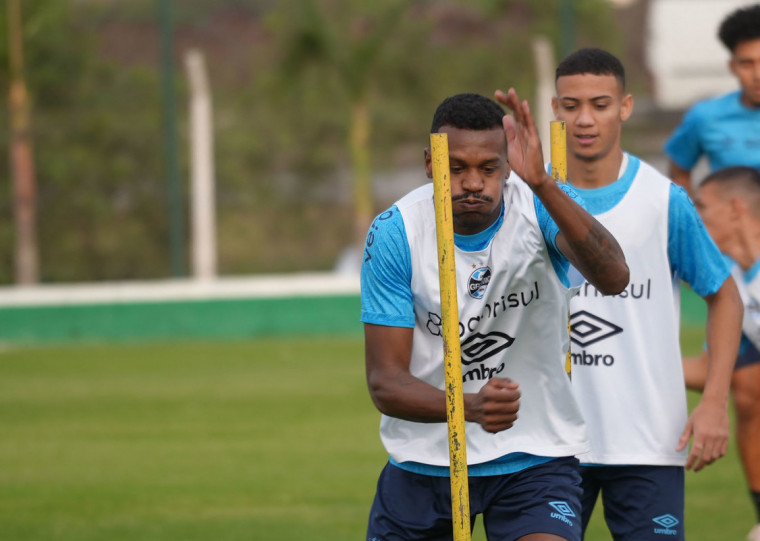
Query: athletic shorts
column 541, row 499
column 748, row 354
column 641, row 503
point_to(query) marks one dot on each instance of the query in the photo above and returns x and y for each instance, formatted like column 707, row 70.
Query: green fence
column 229, row 318
column 129, row 316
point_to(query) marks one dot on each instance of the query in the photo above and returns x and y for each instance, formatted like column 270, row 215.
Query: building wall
column 686, row 59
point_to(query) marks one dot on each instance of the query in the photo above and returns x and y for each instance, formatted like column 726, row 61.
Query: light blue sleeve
column 550, row 230
column 692, row 253
column 386, row 275
column 684, row 146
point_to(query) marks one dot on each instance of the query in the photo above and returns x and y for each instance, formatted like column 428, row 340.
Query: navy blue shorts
column 641, row 503
column 540, row 499
column 748, row 354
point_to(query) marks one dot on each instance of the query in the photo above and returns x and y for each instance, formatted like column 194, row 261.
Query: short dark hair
column 746, row 179
column 740, row 25
column 593, row 61
column 467, row 112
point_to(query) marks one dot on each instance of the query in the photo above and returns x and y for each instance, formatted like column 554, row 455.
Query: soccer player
column 727, row 128
column 514, row 236
column 729, row 202
column 626, row 361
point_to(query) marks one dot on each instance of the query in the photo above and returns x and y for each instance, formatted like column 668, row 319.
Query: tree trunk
column 360, row 165
column 22, row 163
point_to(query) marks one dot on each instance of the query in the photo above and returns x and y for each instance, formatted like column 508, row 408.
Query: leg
column 409, row 506
column 644, row 503
column 540, row 503
column 746, row 391
column 590, row 486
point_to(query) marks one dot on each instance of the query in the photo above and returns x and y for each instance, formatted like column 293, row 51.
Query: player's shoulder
column 714, row 105
column 417, row 196
column 414, row 211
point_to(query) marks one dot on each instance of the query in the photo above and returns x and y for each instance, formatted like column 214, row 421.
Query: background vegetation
column 287, row 78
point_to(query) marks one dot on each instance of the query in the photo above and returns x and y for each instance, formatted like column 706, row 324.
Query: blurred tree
column 22, row 160
column 290, row 79
column 348, row 39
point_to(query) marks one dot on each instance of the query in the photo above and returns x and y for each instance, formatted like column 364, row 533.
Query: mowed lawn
column 270, row 439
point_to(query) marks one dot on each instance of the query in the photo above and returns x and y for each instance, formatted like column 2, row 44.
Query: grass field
column 261, row 440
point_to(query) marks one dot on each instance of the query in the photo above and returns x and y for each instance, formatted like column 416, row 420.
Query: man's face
column 594, row 109
column 716, row 212
column 745, row 64
column 478, row 165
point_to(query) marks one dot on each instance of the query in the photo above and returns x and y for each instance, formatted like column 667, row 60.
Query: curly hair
column 740, row 25
column 467, row 112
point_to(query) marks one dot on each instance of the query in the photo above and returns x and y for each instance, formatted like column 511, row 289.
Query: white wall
column 687, row 60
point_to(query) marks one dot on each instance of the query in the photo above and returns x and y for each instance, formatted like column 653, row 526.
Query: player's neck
column 590, row 174
column 747, row 102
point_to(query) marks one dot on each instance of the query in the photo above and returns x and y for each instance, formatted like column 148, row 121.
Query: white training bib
column 513, row 313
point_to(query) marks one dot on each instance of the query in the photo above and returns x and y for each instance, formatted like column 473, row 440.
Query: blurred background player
column 513, row 239
column 725, row 129
column 729, row 202
column 626, row 371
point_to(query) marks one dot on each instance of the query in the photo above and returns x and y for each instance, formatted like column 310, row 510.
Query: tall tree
column 349, row 42
column 22, row 161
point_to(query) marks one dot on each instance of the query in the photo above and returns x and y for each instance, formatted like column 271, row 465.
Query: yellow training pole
column 452, row 355
column 558, row 140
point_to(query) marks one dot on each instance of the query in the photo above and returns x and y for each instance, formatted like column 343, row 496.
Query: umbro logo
column 587, row 329
column 479, row 347
column 563, row 507
column 563, row 512
column 666, row 521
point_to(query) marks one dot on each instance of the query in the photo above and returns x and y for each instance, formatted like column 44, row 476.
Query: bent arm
column 586, row 243
column 709, row 422
column 724, row 328
column 394, row 391
column 695, row 371
column 582, row 239
column 398, row 393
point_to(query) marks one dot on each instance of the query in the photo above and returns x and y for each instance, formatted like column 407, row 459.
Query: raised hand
column 524, row 146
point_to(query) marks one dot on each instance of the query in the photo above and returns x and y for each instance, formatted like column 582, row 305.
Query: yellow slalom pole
column 460, row 492
column 558, row 141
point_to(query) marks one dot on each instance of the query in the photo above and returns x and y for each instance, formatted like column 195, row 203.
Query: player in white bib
column 729, row 202
column 626, row 361
column 514, row 240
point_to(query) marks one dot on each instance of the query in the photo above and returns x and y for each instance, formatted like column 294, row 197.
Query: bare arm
column 681, row 176
column 582, row 239
column 708, row 424
column 397, row 393
column 695, row 371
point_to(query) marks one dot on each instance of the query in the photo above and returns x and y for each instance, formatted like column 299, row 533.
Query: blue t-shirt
column 721, row 128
